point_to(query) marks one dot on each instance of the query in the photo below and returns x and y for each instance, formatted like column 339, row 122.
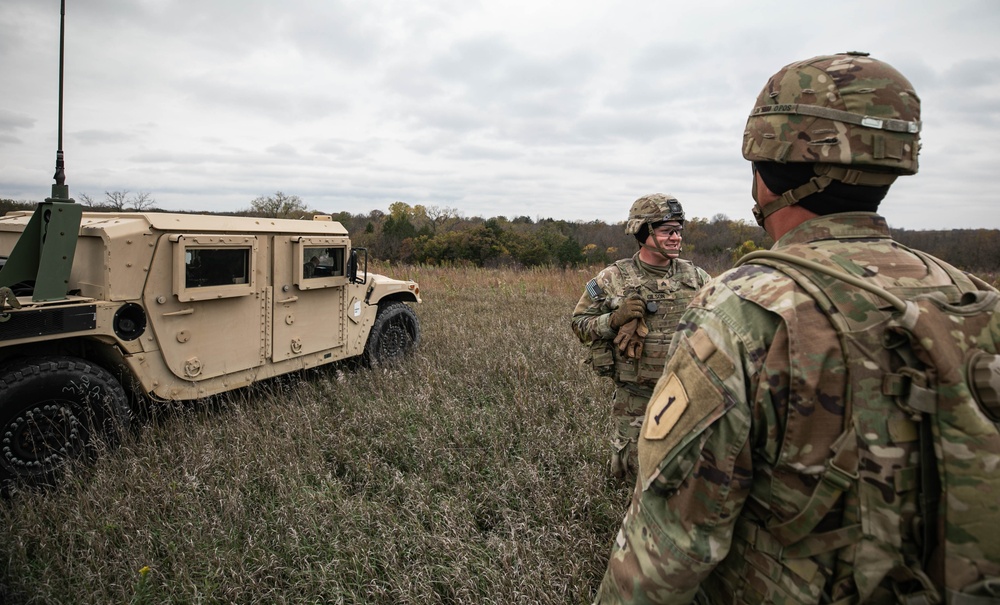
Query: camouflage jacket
column 740, row 426
column 666, row 293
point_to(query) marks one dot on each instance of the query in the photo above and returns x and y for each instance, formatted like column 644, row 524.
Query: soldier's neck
column 655, row 269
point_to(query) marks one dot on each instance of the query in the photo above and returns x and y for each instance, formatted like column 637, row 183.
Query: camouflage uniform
column 745, row 433
column 669, row 288
column 762, row 407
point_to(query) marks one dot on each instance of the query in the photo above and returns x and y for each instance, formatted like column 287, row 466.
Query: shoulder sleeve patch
column 684, row 402
column 665, row 407
column 594, row 290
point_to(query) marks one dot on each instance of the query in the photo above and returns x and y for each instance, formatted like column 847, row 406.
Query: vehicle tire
column 395, row 333
column 53, row 410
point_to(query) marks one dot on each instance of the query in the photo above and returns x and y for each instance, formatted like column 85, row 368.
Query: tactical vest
column 665, row 298
column 907, row 508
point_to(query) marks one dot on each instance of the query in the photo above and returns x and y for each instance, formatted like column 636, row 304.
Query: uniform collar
column 661, row 271
column 842, row 225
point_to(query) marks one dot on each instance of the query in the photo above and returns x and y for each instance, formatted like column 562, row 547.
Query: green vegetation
column 432, row 236
column 429, row 235
column 471, row 473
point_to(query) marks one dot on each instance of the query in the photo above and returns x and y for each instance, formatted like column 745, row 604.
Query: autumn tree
column 279, row 205
column 442, row 217
column 121, row 201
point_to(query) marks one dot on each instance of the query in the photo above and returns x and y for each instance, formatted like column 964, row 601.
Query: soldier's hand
column 631, row 308
column 634, row 347
column 624, row 333
column 630, row 338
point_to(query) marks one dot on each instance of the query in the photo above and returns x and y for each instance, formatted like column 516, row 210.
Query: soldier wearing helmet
column 628, row 313
column 757, row 481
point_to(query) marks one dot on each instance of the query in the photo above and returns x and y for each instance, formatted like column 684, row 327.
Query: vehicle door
column 310, row 278
column 212, row 322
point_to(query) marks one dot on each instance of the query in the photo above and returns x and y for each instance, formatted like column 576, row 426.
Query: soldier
column 757, row 482
column 628, row 313
column 309, row 269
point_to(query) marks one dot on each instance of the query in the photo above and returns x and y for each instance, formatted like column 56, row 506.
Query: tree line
column 443, row 236
column 417, row 234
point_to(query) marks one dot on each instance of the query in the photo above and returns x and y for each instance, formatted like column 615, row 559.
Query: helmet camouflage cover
column 652, row 209
column 846, row 109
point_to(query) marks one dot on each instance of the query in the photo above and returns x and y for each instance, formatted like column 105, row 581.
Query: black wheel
column 394, row 334
column 51, row 411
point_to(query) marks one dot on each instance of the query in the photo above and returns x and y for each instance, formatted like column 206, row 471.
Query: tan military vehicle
column 103, row 311
column 172, row 307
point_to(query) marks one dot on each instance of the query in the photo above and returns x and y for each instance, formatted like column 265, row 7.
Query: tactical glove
column 631, row 308
column 630, row 338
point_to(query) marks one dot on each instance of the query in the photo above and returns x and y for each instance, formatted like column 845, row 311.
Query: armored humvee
column 102, row 311
column 172, row 307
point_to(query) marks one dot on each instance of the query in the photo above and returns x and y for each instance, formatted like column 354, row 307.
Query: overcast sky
column 562, row 109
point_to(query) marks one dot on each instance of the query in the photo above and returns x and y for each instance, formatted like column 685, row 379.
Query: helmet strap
column 792, row 196
column 851, row 176
column 825, row 174
column 658, row 248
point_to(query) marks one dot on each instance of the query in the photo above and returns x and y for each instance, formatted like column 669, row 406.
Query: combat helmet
column 649, row 210
column 854, row 118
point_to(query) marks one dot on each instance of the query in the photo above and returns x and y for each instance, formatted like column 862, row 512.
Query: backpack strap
column 966, row 282
column 840, row 475
column 889, row 297
column 842, row 467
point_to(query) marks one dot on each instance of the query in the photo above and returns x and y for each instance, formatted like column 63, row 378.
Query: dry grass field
column 471, row 473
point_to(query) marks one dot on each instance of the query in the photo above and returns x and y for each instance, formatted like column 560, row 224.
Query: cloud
column 549, row 110
column 10, row 121
column 89, row 138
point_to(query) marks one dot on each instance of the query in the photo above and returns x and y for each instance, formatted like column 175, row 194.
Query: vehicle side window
column 209, row 266
column 323, row 262
column 206, row 267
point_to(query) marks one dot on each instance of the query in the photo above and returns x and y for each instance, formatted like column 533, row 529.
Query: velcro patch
column 665, row 407
column 702, row 345
column 706, row 352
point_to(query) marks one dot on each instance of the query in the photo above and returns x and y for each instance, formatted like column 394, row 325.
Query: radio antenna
column 59, row 190
column 42, row 258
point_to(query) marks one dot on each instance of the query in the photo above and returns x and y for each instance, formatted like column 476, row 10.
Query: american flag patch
column 594, row 290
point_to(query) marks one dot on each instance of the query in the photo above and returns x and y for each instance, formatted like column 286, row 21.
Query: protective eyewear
column 669, row 231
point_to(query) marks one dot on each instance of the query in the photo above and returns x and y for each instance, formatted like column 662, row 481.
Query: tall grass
column 473, row 472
